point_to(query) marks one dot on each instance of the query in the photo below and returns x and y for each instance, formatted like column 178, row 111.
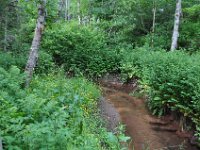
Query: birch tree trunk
column 153, row 26
column 67, row 10
column 6, row 30
column 60, row 8
column 175, row 35
column 33, row 56
column 79, row 11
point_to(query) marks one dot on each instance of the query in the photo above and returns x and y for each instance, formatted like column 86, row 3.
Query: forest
column 53, row 54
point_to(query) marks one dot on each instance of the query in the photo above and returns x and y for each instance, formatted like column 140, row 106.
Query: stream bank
column 146, row 131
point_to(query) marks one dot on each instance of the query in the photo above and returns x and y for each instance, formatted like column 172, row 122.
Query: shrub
column 190, row 32
column 190, row 36
column 79, row 49
column 54, row 113
column 171, row 79
column 8, row 59
column 45, row 63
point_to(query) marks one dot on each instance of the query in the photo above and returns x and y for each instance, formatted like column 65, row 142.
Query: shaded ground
column 146, row 131
column 109, row 114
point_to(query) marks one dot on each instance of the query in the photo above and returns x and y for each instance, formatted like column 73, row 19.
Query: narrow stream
column 146, row 131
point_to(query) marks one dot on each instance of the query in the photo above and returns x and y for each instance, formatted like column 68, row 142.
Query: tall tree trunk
column 6, row 29
column 33, row 56
column 175, row 35
column 60, row 8
column 89, row 13
column 153, row 26
column 67, row 10
column 79, row 11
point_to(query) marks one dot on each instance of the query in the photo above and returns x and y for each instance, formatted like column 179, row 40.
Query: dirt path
column 147, row 132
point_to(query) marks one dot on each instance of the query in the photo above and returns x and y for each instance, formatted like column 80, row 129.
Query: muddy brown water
column 146, row 131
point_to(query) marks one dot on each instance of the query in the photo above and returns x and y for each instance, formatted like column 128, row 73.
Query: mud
column 146, row 131
column 109, row 114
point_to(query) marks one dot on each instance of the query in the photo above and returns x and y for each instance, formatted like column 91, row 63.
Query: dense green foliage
column 170, row 78
column 90, row 39
column 80, row 49
column 54, row 113
column 7, row 60
column 190, row 36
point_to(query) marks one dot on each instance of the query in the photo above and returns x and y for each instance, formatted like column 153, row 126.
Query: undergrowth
column 54, row 113
column 80, row 49
column 171, row 80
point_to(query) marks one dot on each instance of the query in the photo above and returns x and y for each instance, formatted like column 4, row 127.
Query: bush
column 79, row 49
column 190, row 36
column 8, row 59
column 190, row 32
column 45, row 63
column 171, row 79
column 54, row 113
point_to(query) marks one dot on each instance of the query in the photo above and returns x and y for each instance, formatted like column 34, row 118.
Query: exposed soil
column 109, row 114
column 146, row 131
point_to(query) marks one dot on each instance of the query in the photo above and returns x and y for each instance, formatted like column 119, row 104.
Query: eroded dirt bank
column 147, row 132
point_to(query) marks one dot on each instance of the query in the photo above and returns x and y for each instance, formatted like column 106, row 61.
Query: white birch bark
column 153, row 26
column 175, row 35
column 6, row 30
column 66, row 10
column 33, row 56
column 79, row 11
column 60, row 8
